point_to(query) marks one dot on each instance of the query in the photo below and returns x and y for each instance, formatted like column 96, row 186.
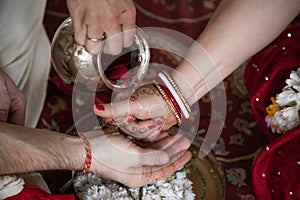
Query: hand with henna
column 143, row 115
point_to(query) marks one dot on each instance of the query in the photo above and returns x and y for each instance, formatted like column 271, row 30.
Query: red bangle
column 88, row 155
column 173, row 100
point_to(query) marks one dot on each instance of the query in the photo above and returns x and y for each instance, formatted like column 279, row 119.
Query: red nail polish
column 100, row 107
column 151, row 126
column 130, row 119
column 159, row 122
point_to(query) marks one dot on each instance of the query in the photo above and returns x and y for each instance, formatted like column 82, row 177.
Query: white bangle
column 174, row 93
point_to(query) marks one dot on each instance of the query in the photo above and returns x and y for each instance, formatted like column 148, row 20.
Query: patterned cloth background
column 241, row 139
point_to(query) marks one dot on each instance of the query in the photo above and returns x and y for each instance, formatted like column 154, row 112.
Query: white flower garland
column 283, row 113
column 91, row 186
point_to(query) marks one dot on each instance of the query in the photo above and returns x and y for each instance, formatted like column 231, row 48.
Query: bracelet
column 88, row 155
column 187, row 105
column 168, row 102
column 173, row 100
column 172, row 86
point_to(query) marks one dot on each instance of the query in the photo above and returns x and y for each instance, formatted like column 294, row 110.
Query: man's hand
column 120, row 159
column 12, row 101
column 93, row 18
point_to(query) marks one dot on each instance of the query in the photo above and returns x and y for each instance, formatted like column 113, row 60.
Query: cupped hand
column 95, row 18
column 118, row 158
column 12, row 101
column 143, row 109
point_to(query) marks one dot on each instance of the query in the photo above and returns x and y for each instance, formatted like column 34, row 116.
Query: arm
column 25, row 149
column 237, row 30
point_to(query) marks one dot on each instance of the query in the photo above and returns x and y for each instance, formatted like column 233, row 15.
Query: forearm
column 238, row 30
column 24, row 149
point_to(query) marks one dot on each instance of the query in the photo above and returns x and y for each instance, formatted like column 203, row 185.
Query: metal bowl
column 98, row 72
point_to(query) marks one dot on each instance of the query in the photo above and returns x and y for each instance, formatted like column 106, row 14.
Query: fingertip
column 164, row 158
column 113, row 45
column 94, row 47
column 187, row 156
column 113, row 48
column 128, row 37
column 79, row 39
column 79, row 34
column 99, row 109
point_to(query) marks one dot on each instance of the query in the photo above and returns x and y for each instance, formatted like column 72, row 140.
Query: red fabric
column 276, row 170
column 31, row 192
column 275, row 63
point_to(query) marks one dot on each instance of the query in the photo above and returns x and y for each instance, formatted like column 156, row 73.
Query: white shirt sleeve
column 10, row 185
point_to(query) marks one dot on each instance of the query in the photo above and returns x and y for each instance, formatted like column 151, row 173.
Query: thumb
column 152, row 157
column 113, row 110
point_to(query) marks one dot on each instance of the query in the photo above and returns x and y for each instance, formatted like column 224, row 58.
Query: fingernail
column 164, row 159
column 159, row 122
column 151, row 126
column 130, row 119
column 100, row 107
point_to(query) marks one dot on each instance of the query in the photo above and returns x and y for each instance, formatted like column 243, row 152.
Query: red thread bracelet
column 88, row 155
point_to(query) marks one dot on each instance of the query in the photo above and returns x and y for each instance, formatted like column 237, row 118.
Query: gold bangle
column 171, row 80
column 168, row 102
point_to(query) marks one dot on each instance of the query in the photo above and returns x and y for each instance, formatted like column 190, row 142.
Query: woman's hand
column 144, row 104
column 93, row 19
column 120, row 159
column 12, row 101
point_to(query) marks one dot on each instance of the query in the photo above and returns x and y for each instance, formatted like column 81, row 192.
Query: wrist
column 197, row 74
column 88, row 153
column 74, row 155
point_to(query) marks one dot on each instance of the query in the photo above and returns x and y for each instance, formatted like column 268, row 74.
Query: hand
column 120, row 159
column 144, row 104
column 92, row 18
column 12, row 101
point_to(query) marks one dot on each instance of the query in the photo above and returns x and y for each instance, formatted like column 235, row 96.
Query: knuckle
column 112, row 17
column 131, row 14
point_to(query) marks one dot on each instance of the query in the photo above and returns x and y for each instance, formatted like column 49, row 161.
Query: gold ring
column 97, row 39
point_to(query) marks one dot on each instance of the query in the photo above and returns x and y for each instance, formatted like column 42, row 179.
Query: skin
column 93, row 17
column 236, row 31
column 12, row 101
column 113, row 156
column 25, row 149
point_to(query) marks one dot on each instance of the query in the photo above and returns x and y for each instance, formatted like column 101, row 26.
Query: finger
column 4, row 100
column 129, row 31
column 153, row 157
column 142, row 130
column 128, row 21
column 155, row 174
column 79, row 31
column 172, row 144
column 94, row 38
column 160, row 136
column 178, row 147
column 4, row 107
column 17, row 110
column 113, row 110
column 114, row 42
column 13, row 104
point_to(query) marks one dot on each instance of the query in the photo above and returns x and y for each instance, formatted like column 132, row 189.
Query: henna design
column 148, row 90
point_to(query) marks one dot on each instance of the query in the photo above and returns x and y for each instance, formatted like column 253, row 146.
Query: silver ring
column 97, row 39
